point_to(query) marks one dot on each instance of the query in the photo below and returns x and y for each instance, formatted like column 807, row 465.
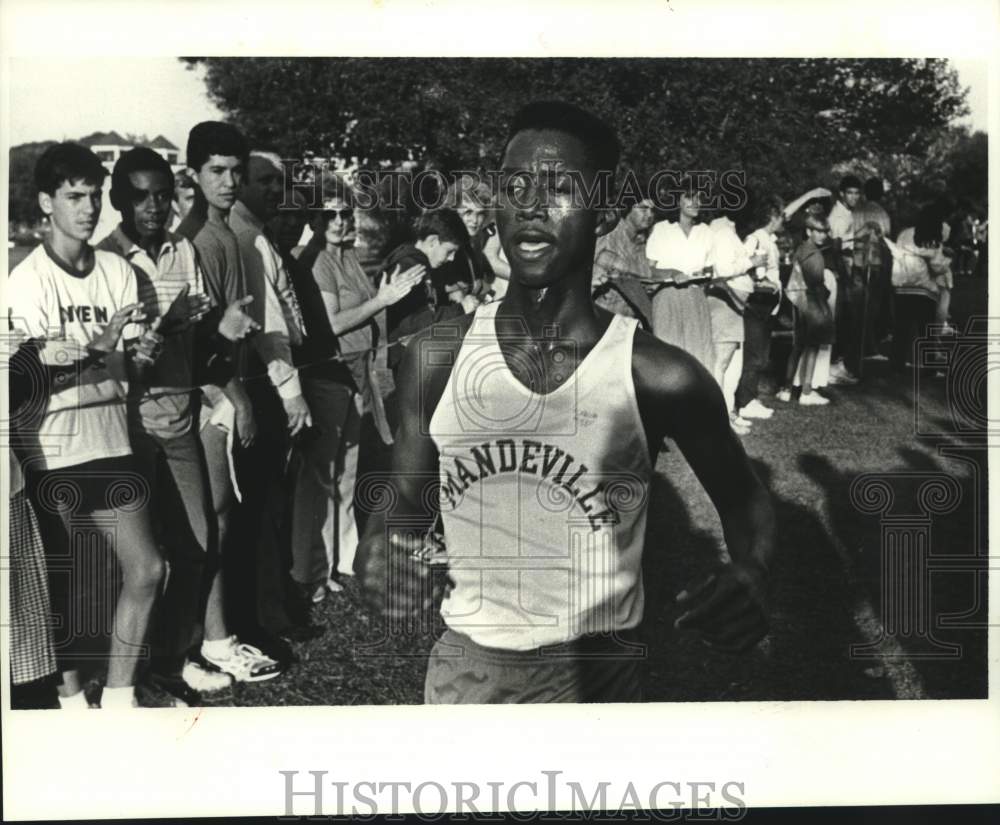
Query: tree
column 785, row 122
column 22, row 195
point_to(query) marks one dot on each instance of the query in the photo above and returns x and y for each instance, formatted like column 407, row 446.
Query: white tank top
column 543, row 497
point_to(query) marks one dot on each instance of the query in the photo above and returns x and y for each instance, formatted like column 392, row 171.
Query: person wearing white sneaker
column 245, row 663
column 740, row 425
column 808, row 293
column 755, row 410
column 813, row 399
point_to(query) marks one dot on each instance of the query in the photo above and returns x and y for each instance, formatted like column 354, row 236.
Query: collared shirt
column 274, row 305
column 669, row 248
column 729, row 257
column 340, row 275
column 761, row 241
column 842, row 225
column 162, row 403
column 622, row 250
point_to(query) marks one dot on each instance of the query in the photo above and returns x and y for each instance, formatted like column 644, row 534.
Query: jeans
column 850, row 320
column 756, row 347
column 913, row 314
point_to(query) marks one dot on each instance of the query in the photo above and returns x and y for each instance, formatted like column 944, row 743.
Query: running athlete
column 537, row 421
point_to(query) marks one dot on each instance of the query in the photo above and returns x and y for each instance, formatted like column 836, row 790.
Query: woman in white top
column 679, row 256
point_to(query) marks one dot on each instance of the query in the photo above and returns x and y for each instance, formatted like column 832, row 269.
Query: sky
column 94, row 94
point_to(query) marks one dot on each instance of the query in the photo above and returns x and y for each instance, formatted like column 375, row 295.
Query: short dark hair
column 140, row 159
column 874, row 189
column 212, row 137
column 561, row 116
column 445, row 223
column 850, row 182
column 767, row 208
column 67, row 162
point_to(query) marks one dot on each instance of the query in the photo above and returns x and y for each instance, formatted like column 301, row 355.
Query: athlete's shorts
column 606, row 668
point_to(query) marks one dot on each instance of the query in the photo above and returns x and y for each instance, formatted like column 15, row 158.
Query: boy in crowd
column 544, row 563
column 439, row 235
column 183, row 198
column 217, row 158
column 80, row 303
column 162, row 412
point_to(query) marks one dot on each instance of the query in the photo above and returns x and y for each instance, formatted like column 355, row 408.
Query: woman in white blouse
column 679, row 257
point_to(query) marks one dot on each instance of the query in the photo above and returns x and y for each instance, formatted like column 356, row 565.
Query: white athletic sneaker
column 783, row 395
column 841, row 379
column 755, row 410
column 813, row 399
column 740, row 425
column 200, row 678
column 245, row 663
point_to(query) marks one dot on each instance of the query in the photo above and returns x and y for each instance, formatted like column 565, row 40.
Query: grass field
column 827, row 580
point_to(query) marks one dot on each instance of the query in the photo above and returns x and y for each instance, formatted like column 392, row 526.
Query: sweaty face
column 546, row 230
column 220, row 178
column 265, row 188
column 147, row 207
column 339, row 227
column 73, row 208
column 852, row 196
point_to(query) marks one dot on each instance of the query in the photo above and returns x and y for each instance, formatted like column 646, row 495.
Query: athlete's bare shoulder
column 675, row 392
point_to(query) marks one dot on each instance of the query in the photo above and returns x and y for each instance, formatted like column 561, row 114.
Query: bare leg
column 943, row 305
column 724, row 352
column 223, row 499
column 142, row 574
column 70, row 685
column 808, row 366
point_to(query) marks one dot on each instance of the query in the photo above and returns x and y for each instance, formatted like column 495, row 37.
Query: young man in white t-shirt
column 81, row 304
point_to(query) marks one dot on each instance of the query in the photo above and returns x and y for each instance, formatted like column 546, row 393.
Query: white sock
column 75, row 702
column 218, row 648
column 120, row 697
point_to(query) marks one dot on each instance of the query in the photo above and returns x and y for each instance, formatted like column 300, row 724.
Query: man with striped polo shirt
column 162, row 411
column 539, row 419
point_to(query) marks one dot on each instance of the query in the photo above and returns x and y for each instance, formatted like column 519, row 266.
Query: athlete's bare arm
column 678, row 398
column 393, row 582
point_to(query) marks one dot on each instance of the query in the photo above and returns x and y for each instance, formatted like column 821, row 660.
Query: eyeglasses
column 343, row 214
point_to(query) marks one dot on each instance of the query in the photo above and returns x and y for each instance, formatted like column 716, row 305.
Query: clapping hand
column 147, row 348
column 236, row 324
column 393, row 288
column 184, row 310
column 107, row 341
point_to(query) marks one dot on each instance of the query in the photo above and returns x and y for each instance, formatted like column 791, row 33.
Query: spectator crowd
column 195, row 397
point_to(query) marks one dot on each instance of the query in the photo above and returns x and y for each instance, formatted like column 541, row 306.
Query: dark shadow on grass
column 860, row 534
column 805, row 656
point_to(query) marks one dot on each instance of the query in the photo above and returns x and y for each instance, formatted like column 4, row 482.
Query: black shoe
column 172, row 685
